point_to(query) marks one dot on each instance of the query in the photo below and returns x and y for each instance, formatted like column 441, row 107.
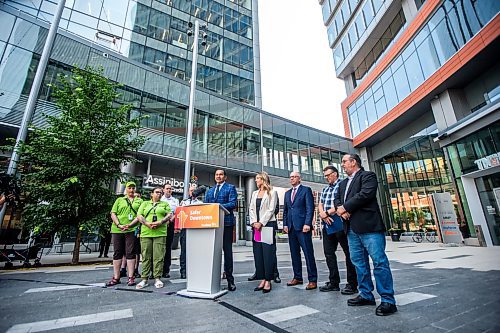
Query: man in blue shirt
column 331, row 239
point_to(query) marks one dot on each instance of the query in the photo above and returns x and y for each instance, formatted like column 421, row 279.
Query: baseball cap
column 130, row 184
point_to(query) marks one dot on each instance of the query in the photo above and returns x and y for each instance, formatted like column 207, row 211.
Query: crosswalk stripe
column 291, row 312
column 60, row 288
column 411, row 297
column 46, row 325
column 243, row 275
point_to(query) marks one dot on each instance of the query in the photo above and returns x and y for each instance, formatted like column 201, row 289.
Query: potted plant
column 395, row 234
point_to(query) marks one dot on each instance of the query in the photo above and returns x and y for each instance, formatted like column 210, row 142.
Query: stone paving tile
column 467, row 296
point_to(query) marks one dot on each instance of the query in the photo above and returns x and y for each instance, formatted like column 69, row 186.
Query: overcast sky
column 298, row 76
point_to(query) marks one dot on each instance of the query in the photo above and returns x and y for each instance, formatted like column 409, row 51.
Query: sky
column 298, row 75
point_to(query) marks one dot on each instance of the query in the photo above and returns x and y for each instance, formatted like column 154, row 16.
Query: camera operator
column 192, row 199
column 9, row 190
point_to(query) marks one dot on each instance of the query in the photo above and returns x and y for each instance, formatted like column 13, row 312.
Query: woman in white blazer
column 262, row 206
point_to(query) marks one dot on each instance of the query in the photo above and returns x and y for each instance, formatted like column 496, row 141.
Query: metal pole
column 189, row 135
column 35, row 88
column 33, row 96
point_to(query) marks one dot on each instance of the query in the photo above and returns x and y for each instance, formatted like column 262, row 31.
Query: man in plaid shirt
column 331, row 241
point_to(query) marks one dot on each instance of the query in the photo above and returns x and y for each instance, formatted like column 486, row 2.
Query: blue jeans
column 371, row 244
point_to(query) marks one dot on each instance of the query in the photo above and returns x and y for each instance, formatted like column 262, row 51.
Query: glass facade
column 452, row 25
column 462, row 156
column 383, row 43
column 154, row 33
column 356, row 29
column 227, row 133
column 409, row 176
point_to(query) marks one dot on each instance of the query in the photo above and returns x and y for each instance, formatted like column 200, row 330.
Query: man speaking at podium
column 225, row 195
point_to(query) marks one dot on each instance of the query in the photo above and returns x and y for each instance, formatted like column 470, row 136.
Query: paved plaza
column 439, row 289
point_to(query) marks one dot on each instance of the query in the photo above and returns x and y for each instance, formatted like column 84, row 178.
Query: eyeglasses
column 328, row 174
column 157, row 192
column 168, row 189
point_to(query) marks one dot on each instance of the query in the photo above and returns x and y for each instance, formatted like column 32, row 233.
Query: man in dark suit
column 356, row 203
column 225, row 194
column 297, row 222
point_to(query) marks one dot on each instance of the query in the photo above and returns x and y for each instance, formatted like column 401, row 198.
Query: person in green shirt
column 125, row 221
column 154, row 216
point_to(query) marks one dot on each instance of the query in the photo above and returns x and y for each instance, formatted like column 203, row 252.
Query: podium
column 204, row 224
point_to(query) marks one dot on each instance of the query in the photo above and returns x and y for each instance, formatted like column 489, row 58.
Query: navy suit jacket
column 228, row 198
column 301, row 211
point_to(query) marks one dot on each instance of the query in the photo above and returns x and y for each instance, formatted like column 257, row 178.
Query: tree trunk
column 76, row 250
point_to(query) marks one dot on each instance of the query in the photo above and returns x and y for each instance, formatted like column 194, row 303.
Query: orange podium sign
column 197, row 217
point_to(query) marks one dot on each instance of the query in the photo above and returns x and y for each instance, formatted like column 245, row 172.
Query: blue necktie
column 217, row 191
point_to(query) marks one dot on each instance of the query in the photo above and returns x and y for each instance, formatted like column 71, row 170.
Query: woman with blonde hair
column 262, row 206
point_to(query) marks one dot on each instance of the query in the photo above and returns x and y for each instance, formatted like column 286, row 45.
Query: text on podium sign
column 197, row 217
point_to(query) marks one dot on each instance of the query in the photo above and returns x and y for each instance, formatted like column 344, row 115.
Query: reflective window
column 325, row 9
column 304, row 157
column 357, row 28
column 368, row 12
column 114, row 11
column 215, row 13
column 89, row 7
column 159, row 24
column 137, row 18
column 432, row 47
column 182, row 5
column 154, row 108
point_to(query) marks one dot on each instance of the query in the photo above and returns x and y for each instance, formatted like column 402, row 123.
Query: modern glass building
column 144, row 45
column 416, row 71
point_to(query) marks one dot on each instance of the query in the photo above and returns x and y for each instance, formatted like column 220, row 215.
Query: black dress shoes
column 349, row 290
column 277, row 279
column 329, row 287
column 253, row 277
column 231, row 286
column 258, row 288
column 265, row 291
column 385, row 309
column 359, row 301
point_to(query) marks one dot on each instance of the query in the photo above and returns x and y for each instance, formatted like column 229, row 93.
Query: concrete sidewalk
column 425, row 255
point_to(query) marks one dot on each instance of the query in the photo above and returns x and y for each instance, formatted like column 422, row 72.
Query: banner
column 197, row 216
column 446, row 218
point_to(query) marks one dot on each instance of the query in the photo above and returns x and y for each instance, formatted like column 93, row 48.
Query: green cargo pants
column 153, row 252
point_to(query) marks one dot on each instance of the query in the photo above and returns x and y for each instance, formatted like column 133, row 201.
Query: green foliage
column 70, row 164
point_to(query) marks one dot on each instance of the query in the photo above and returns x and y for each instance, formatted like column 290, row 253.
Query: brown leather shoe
column 311, row 286
column 294, row 282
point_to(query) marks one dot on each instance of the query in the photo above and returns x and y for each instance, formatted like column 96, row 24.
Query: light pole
column 192, row 91
column 33, row 96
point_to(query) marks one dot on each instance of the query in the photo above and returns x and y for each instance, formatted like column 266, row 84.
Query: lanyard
column 130, row 205
column 150, row 209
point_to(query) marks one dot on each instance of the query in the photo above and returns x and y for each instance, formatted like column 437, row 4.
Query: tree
column 71, row 162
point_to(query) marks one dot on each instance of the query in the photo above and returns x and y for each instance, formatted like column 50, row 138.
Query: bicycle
column 419, row 236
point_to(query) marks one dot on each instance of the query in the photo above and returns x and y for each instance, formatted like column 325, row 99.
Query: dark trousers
column 330, row 244
column 227, row 247
column 265, row 257
column 276, row 273
column 167, row 261
column 182, row 239
column 297, row 240
column 104, row 244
